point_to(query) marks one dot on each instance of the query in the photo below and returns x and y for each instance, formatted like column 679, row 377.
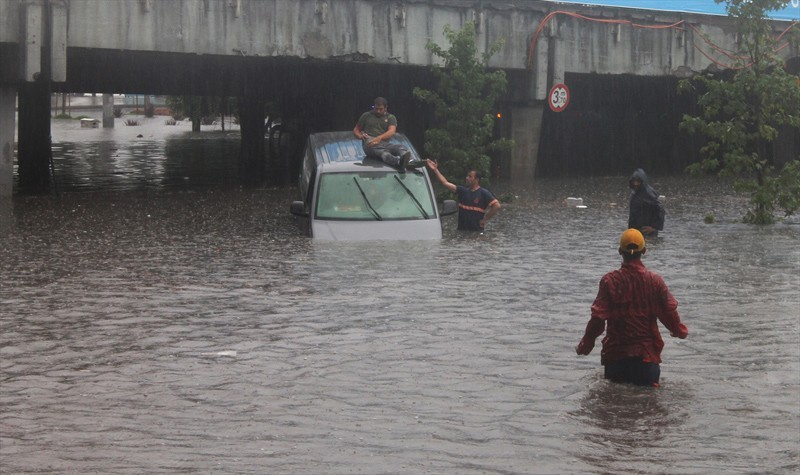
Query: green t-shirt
column 375, row 125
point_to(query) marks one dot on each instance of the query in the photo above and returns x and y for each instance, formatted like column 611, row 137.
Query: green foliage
column 741, row 117
column 507, row 197
column 464, row 105
column 788, row 188
column 185, row 106
column 199, row 107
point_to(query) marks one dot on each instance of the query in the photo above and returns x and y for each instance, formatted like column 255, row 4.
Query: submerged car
column 346, row 196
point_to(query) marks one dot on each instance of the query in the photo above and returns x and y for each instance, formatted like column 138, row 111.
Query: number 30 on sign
column 559, row 97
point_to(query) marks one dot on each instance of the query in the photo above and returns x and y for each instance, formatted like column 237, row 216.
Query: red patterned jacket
column 630, row 303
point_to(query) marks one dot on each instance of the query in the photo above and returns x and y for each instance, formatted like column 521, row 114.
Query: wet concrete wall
column 617, row 123
column 586, row 39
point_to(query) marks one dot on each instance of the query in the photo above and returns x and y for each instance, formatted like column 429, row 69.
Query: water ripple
column 199, row 332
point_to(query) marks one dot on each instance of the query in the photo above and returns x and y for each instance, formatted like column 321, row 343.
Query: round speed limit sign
column 559, row 97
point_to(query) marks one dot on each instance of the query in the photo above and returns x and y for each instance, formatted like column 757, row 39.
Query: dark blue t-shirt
column 472, row 206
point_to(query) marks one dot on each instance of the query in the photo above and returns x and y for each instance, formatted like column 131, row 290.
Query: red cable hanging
column 676, row 26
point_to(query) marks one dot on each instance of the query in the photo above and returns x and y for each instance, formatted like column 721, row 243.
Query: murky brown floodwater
column 192, row 329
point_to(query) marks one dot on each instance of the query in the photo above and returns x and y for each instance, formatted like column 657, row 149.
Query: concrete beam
column 376, row 31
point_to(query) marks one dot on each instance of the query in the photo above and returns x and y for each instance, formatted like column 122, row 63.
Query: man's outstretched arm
column 433, row 166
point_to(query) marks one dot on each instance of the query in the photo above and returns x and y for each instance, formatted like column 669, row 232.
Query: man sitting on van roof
column 374, row 128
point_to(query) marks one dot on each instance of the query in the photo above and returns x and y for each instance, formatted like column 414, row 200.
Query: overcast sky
column 791, row 12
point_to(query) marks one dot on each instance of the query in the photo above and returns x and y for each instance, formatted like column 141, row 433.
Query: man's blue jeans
column 390, row 153
column 633, row 370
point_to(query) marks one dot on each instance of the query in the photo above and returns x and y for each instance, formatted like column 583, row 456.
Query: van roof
column 336, row 147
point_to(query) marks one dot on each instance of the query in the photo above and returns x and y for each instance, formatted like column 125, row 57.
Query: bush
column 131, row 122
column 464, row 104
column 742, row 116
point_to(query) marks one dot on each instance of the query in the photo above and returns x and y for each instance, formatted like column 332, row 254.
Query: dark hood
column 645, row 189
column 640, row 175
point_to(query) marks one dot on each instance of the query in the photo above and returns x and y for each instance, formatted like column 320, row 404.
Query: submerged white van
column 348, row 197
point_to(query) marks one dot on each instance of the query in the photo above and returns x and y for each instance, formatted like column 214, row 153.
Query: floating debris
column 228, row 353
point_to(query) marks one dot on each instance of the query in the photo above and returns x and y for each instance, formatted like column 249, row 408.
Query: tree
column 199, row 109
column 464, row 105
column 742, row 116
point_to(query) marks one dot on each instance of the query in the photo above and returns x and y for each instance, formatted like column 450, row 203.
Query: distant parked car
column 348, row 197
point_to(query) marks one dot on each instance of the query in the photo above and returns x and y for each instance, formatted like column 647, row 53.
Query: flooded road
column 150, row 155
column 186, row 328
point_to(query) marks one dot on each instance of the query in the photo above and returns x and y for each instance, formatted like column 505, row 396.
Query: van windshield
column 374, row 196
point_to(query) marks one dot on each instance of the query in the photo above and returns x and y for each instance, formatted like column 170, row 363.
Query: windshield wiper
column 369, row 205
column 416, row 201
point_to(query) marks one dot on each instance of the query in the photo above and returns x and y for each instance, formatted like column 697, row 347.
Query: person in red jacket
column 630, row 303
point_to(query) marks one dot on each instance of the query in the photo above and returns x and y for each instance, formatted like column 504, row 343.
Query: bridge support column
column 526, row 131
column 108, row 111
column 33, row 150
column 6, row 215
column 8, row 96
column 252, row 158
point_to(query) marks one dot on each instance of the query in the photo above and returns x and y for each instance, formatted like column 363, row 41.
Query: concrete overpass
column 322, row 61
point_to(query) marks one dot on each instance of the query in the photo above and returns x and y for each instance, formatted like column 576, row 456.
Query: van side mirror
column 297, row 208
column 448, row 207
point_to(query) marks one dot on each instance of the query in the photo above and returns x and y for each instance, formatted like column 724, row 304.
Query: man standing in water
column 473, row 200
column 632, row 300
column 374, row 128
column 646, row 211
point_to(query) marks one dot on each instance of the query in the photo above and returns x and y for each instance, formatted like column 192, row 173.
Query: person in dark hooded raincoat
column 646, row 211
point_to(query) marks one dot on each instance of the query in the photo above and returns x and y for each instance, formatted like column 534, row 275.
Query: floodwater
column 153, row 320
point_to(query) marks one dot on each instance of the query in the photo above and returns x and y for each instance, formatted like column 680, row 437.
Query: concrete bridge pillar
column 33, row 149
column 252, row 157
column 526, row 127
column 108, row 111
column 527, row 114
column 43, row 46
column 8, row 97
column 6, row 216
